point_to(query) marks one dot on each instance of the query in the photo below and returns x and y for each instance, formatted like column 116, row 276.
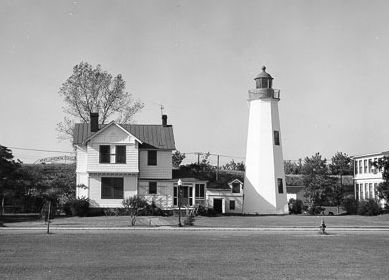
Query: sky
column 198, row 59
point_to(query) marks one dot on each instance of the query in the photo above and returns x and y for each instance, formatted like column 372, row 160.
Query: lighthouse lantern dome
column 263, row 79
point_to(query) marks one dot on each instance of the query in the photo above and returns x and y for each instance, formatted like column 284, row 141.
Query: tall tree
column 232, row 165
column 341, row 164
column 383, row 188
column 177, row 158
column 90, row 90
column 292, row 167
column 317, row 184
column 9, row 173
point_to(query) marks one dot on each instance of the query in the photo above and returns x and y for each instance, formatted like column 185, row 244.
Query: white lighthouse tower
column 264, row 182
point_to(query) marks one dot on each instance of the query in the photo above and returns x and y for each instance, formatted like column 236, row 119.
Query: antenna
column 161, row 106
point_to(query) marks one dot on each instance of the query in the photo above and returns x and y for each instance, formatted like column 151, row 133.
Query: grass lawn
column 192, row 255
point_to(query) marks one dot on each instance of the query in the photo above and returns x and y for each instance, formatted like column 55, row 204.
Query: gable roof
column 235, row 181
column 151, row 136
column 105, row 128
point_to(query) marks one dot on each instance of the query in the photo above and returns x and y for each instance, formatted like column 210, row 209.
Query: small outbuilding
column 228, row 199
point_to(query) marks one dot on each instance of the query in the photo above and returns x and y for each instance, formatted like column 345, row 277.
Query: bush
column 189, row 220
column 205, row 211
column 350, row 205
column 316, row 210
column 295, row 206
column 369, row 207
column 77, row 207
column 135, row 204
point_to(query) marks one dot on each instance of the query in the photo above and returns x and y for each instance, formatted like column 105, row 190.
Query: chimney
column 164, row 120
column 94, row 122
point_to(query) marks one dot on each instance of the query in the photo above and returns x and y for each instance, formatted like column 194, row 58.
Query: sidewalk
column 289, row 223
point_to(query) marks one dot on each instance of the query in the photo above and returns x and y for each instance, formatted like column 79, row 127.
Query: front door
column 218, row 205
column 186, row 196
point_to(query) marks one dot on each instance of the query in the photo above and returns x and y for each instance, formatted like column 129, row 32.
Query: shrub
column 189, row 220
column 205, row 211
column 369, row 207
column 350, row 205
column 316, row 210
column 77, row 207
column 135, row 206
column 295, row 206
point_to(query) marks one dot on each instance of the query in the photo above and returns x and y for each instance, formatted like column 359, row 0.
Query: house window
column 375, row 190
column 152, row 187
column 151, row 157
column 375, row 167
column 111, row 188
column 370, row 190
column 365, row 166
column 120, row 156
column 105, row 154
column 360, row 167
column 232, row 204
column 199, row 191
column 175, row 196
column 370, row 166
column 235, row 188
column 356, row 166
column 280, row 185
column 276, row 138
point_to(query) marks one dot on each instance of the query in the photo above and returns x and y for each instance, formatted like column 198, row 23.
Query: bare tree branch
column 90, row 90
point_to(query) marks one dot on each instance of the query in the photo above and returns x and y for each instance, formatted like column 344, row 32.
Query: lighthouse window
column 280, row 185
column 276, row 138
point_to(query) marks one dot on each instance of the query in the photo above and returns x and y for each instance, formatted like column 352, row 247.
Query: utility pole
column 217, row 168
column 48, row 218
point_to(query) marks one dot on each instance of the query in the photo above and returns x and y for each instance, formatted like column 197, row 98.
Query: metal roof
column 154, row 136
column 263, row 74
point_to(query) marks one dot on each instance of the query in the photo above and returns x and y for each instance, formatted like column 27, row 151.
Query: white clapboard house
column 116, row 161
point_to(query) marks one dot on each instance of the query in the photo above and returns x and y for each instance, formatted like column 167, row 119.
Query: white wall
column 163, row 169
column 164, row 197
column 363, row 178
column 264, row 161
column 82, row 179
column 130, row 189
column 81, row 158
column 113, row 136
column 227, row 196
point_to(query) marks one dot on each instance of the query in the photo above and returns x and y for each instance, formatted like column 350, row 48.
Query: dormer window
column 235, row 188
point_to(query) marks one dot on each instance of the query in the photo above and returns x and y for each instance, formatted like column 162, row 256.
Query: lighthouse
column 264, row 182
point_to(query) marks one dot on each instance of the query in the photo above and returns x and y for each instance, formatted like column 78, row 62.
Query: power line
column 202, row 153
column 38, row 150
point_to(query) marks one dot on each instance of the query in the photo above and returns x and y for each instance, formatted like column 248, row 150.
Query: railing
column 260, row 93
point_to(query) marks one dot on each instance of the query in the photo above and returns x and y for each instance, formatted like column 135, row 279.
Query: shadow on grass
column 17, row 218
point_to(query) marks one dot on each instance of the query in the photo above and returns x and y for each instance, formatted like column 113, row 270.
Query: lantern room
column 264, row 80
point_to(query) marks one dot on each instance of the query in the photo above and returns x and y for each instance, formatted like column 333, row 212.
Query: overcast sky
column 330, row 59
